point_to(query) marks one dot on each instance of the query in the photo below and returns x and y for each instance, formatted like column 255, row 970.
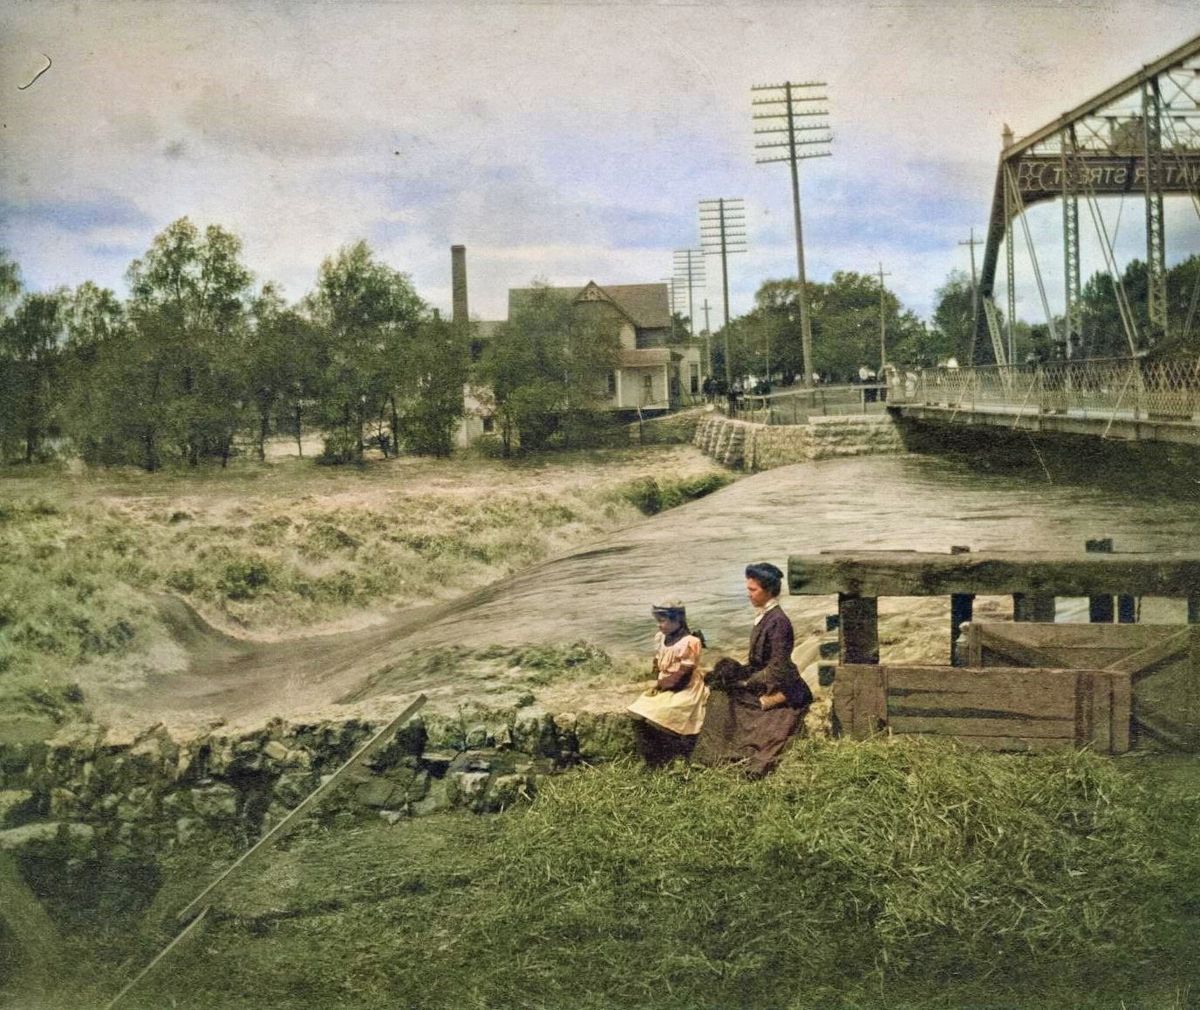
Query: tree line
column 198, row 360
column 845, row 322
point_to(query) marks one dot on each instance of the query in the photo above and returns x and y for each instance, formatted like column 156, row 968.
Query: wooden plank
column 1054, row 729
column 1068, row 646
column 974, row 646
column 1003, row 680
column 1100, row 608
column 1043, row 607
column 1153, row 654
column 997, row 694
column 858, row 628
column 1092, row 712
column 1121, row 685
column 911, row 573
column 859, row 700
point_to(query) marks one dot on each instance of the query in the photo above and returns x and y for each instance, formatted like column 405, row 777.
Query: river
column 696, row 553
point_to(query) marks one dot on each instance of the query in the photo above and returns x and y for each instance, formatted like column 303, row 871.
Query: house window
column 612, row 383
column 647, row 388
column 694, row 370
column 489, row 424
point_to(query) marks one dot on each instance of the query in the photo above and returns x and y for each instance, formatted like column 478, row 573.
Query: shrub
column 243, row 579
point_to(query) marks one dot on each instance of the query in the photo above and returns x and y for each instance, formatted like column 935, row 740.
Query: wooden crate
column 1162, row 662
column 1005, row 708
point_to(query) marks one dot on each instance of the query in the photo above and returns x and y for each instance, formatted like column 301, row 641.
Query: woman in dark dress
column 756, row 706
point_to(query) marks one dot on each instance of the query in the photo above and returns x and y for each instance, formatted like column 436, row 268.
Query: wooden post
column 962, row 608
column 1022, row 608
column 1100, row 608
column 858, row 628
column 1043, row 608
column 1033, row 607
column 1126, row 609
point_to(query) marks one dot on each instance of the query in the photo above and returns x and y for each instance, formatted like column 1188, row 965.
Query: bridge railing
column 1110, row 387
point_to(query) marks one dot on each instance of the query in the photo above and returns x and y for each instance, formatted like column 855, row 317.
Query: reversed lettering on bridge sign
column 1042, row 178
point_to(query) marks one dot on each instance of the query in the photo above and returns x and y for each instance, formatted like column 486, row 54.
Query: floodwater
column 697, row 552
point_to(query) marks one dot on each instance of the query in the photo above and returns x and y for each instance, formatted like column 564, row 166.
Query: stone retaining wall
column 748, row 446
column 130, row 793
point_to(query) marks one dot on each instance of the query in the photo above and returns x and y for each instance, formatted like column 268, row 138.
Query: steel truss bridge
column 1135, row 399
column 1140, row 137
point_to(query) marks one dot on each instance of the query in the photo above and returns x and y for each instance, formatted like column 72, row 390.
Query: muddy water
column 697, row 552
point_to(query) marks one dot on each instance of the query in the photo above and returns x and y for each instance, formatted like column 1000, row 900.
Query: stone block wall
column 748, row 446
column 149, row 790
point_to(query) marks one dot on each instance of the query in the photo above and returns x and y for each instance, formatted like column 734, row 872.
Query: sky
column 561, row 141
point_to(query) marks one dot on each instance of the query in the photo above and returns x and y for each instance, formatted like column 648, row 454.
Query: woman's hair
column 766, row 575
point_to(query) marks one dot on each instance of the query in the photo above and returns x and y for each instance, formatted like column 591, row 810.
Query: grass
column 905, row 874
column 280, row 548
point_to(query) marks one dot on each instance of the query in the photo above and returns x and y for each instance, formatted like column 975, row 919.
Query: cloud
column 76, row 216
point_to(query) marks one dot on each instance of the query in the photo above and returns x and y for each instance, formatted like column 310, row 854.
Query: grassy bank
column 909, row 874
column 275, row 549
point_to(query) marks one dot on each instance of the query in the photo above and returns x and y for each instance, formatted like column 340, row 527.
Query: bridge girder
column 1141, row 136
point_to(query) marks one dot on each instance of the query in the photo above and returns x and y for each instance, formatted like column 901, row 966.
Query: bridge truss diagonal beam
column 1141, row 137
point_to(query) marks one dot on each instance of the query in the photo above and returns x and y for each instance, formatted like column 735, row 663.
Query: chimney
column 458, row 282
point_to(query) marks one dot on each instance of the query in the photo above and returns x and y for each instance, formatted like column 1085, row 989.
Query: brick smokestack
column 458, row 282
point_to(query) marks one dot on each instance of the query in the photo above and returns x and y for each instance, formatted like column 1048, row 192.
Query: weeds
column 904, row 874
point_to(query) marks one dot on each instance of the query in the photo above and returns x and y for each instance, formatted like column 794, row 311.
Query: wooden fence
column 1019, row 686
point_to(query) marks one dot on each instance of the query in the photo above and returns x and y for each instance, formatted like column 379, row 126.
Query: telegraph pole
column 973, row 242
column 689, row 272
column 781, row 124
column 882, row 324
column 707, row 337
column 670, row 283
column 723, row 231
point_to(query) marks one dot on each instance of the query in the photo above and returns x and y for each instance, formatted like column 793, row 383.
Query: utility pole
column 707, row 338
column 882, row 324
column 782, row 124
column 670, row 283
column 689, row 273
column 723, row 231
column 973, row 242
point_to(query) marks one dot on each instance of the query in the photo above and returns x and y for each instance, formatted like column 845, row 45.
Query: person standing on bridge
column 756, row 706
column 669, row 715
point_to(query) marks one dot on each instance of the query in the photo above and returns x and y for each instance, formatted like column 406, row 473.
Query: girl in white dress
column 668, row 717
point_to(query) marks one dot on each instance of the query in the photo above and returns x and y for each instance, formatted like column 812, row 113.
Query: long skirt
column 659, row 746
column 737, row 729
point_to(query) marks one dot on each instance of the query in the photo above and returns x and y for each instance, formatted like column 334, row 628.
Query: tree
column 188, row 308
column 10, row 282
column 1104, row 331
column 283, row 365
column 368, row 315
column 437, row 373
column 30, row 356
column 96, row 376
column 953, row 319
column 548, row 367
